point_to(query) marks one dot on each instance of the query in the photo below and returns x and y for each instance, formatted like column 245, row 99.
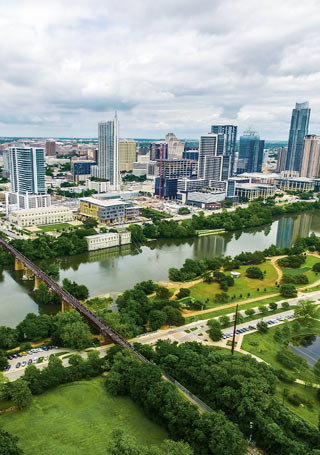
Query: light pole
column 234, row 330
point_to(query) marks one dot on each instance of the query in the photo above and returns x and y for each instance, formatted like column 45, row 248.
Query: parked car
column 18, row 365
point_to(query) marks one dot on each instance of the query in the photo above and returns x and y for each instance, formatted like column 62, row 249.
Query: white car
column 35, row 360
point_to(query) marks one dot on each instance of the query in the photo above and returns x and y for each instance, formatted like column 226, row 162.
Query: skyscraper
column 230, row 132
column 282, row 158
column 208, row 147
column 298, row 130
column 108, row 152
column 27, row 172
column 175, row 147
column 310, row 166
column 250, row 153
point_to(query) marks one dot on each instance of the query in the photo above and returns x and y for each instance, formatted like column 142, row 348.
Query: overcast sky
column 165, row 65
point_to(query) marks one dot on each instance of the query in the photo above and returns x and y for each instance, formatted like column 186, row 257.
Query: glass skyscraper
column 230, row 135
column 250, row 153
column 27, row 172
column 108, row 152
column 298, row 130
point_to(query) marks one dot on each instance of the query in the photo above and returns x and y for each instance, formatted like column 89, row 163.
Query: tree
column 288, row 290
column 222, row 297
column 207, row 277
column 163, row 293
column 8, row 444
column 262, row 327
column 69, row 330
column 316, row 267
column 224, row 321
column 250, row 312
column 254, row 272
column 20, row 393
column 263, row 309
column 8, row 337
column 183, row 292
column 214, row 331
column 157, row 318
column 79, row 291
column 285, row 305
column 90, row 223
column 3, row 360
column 174, row 317
column 35, row 327
column 273, row 306
column 305, row 310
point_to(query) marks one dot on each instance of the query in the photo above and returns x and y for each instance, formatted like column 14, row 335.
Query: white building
column 108, row 240
column 41, row 216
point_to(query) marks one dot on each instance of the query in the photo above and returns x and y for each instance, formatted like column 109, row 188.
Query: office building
column 250, row 153
column 178, row 168
column 127, row 154
column 205, row 199
column 295, row 183
column 191, row 155
column 81, row 170
column 282, row 158
column 50, row 148
column 166, row 187
column 108, row 152
column 252, row 191
column 298, row 130
column 108, row 211
column 175, row 147
column 27, row 172
column 310, row 166
column 214, row 163
column 156, row 148
column 108, row 240
column 41, row 216
column 187, row 184
column 230, row 132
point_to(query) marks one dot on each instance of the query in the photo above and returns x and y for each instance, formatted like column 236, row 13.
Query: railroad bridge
column 68, row 301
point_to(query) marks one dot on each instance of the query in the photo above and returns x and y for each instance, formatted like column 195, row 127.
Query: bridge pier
column 65, row 306
column 18, row 265
column 104, row 340
column 37, row 282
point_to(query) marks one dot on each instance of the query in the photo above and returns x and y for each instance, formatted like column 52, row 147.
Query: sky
column 165, row 66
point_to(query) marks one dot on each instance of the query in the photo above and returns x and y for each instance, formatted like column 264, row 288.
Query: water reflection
column 116, row 269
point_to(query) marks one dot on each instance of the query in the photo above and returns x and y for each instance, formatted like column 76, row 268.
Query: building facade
column 250, row 153
column 175, row 147
column 127, row 154
column 282, row 159
column 294, row 184
column 108, row 240
column 230, row 133
column 108, row 211
column 51, row 148
column 81, row 169
column 27, row 171
column 298, row 130
column 41, row 216
column 310, row 166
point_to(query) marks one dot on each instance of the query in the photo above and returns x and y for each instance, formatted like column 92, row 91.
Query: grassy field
column 265, row 347
column 245, row 306
column 242, row 286
column 77, row 419
column 55, row 227
column 305, row 269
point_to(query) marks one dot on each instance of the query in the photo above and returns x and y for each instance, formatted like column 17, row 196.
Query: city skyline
column 169, row 66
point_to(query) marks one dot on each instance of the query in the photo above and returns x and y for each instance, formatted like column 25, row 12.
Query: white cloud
column 167, row 65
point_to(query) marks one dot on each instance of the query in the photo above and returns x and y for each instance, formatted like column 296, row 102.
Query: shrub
column 255, row 273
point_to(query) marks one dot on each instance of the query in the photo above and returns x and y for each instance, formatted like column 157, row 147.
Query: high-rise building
column 250, row 153
column 127, row 154
column 51, row 148
column 108, row 152
column 156, row 147
column 230, row 132
column 310, row 166
column 298, row 130
column 282, row 158
column 214, row 164
column 27, row 170
column 175, row 147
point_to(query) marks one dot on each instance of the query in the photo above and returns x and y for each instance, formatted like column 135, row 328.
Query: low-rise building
column 295, row 184
column 205, row 199
column 108, row 240
column 253, row 191
column 41, row 216
column 108, row 211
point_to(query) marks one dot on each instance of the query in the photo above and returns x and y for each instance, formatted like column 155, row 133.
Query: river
column 118, row 269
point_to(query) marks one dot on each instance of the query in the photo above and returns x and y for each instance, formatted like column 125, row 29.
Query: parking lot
column 19, row 361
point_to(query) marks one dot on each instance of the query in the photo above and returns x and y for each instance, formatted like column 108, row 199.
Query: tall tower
column 108, row 151
column 298, row 130
column 230, row 132
column 250, row 152
column 27, row 172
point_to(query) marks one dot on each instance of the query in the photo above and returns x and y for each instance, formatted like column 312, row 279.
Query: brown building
column 51, row 148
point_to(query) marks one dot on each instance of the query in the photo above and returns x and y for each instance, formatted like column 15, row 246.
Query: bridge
column 68, row 301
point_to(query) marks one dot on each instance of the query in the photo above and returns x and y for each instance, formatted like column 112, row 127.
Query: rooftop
column 103, row 203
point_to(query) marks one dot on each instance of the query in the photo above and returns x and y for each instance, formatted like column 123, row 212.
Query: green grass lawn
column 55, row 227
column 265, row 347
column 77, row 419
column 242, row 286
column 306, row 269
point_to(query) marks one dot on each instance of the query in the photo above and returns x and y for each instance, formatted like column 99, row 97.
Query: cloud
column 165, row 66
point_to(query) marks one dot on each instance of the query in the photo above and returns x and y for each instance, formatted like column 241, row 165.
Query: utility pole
column 234, row 330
